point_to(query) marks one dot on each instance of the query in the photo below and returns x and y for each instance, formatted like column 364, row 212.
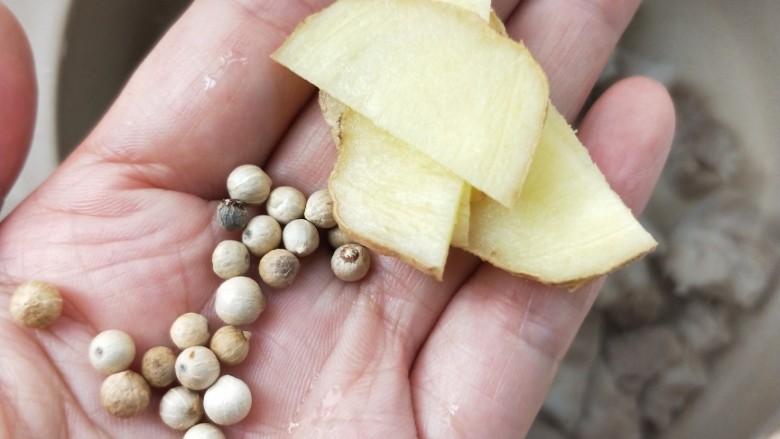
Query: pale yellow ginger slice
column 434, row 75
column 479, row 7
column 332, row 111
column 460, row 236
column 392, row 198
column 568, row 226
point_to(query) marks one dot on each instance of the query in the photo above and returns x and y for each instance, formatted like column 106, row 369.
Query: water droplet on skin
column 448, row 417
column 209, row 82
column 224, row 63
column 303, row 398
column 330, row 401
column 452, row 408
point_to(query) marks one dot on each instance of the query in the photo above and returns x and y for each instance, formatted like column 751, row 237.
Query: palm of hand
column 126, row 229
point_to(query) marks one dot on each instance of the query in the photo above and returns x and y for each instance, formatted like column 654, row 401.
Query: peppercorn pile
column 226, row 400
column 288, row 230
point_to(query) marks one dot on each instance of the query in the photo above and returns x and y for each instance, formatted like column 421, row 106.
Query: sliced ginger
column 392, row 198
column 436, row 99
column 434, row 75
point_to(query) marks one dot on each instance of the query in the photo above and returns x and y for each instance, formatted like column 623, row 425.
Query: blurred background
column 682, row 344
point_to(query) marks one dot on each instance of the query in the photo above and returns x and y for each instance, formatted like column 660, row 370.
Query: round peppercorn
column 350, row 262
column 285, row 203
column 125, row 394
column 239, row 301
column 262, row 234
column 190, row 329
column 232, row 214
column 157, row 366
column 278, row 268
column 319, row 209
column 111, row 351
column 36, row 304
column 230, row 258
column 250, row 184
column 197, row 368
column 300, row 237
column 230, row 345
column 181, row 408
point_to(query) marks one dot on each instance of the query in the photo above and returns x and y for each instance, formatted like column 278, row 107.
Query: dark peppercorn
column 232, row 214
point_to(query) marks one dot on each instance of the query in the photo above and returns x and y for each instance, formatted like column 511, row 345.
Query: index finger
column 572, row 40
column 207, row 98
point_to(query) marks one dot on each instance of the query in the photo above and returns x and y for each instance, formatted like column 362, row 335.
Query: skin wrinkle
column 159, row 179
column 360, row 349
column 494, row 398
column 370, row 349
column 187, row 284
column 394, row 327
column 130, row 146
column 523, row 315
column 396, row 318
column 259, row 10
column 311, row 375
column 33, row 346
column 67, row 394
column 539, row 331
column 482, row 398
column 310, row 133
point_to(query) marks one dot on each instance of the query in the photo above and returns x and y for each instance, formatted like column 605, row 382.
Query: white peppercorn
column 232, row 214
column 204, row 431
column 300, row 237
column 229, row 259
column 157, row 366
column 230, row 345
column 228, row 401
column 278, row 268
column 285, row 203
column 190, row 329
column 36, row 304
column 262, row 234
column 249, row 184
column 337, row 237
column 181, row 408
column 239, row 301
column 111, row 351
column 197, row 367
column 124, row 394
column 319, row 209
column 350, row 262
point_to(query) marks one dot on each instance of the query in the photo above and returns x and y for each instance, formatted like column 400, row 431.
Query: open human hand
column 126, row 226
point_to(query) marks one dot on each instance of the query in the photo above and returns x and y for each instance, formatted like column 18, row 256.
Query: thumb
column 17, row 99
